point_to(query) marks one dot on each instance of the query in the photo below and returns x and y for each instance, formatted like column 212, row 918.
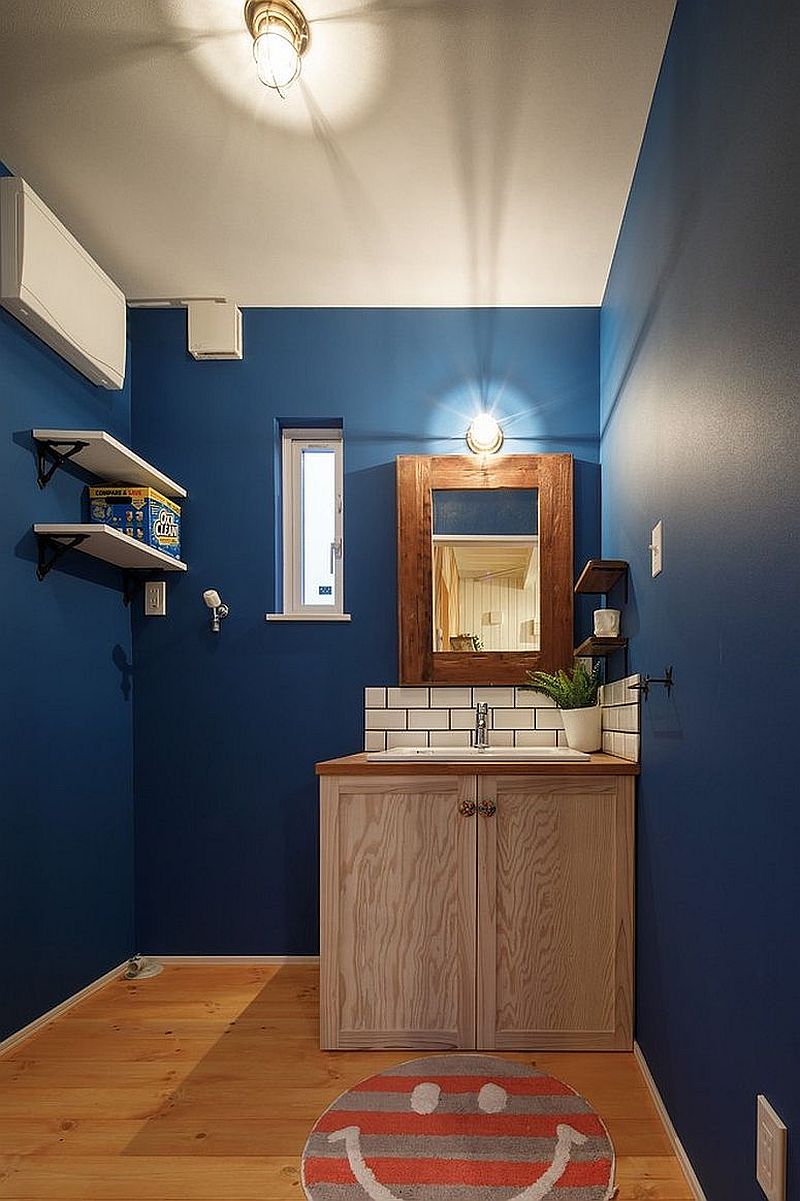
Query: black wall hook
column 646, row 681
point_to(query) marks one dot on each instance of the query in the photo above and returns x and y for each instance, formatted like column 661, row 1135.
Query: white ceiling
column 435, row 152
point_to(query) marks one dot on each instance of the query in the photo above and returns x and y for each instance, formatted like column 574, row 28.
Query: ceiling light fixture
column 280, row 36
column 484, row 436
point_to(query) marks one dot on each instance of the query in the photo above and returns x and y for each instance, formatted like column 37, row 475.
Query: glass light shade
column 484, row 436
column 277, row 60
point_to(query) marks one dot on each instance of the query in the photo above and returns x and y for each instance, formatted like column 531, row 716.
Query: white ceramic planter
column 583, row 728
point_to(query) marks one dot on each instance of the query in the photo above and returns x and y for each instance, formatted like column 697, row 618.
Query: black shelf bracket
column 49, row 458
column 133, row 581
column 51, row 549
column 647, row 681
column 131, row 585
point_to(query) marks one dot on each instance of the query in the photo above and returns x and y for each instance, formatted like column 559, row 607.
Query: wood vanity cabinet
column 477, row 911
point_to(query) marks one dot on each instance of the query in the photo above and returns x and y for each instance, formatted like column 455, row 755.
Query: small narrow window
column 312, row 523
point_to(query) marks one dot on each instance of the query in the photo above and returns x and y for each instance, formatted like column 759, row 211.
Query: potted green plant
column 575, row 693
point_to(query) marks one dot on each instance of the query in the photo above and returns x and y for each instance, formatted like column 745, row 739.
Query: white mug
column 606, row 623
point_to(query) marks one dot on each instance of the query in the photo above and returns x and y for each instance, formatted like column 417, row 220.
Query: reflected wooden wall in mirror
column 484, row 552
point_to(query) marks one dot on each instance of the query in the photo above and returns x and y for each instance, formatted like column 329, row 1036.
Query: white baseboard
column 39, row 1023
column 677, row 1145
column 233, row 960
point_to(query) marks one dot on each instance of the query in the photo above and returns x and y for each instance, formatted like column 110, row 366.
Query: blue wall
column 228, row 728
column 500, row 511
column 699, row 370
column 66, row 816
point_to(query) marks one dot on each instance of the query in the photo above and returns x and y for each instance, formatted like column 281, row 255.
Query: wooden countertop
column 599, row 764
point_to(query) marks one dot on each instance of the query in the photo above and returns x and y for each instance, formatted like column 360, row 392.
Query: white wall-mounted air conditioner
column 50, row 283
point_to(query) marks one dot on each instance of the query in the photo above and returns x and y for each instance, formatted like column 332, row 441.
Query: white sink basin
column 471, row 754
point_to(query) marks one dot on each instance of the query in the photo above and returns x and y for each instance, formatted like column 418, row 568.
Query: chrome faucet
column 481, row 736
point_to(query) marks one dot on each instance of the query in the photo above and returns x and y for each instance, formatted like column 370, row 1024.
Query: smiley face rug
column 459, row 1128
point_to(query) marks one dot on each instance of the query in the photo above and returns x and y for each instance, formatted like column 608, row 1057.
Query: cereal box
column 141, row 513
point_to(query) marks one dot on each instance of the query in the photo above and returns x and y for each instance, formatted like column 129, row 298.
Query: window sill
column 307, row 617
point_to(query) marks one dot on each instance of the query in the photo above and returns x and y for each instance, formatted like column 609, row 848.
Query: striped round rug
column 459, row 1128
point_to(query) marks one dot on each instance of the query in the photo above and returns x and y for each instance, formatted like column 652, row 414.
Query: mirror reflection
column 486, row 569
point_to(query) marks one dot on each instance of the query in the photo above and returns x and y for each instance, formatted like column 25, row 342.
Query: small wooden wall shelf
column 599, row 648
column 600, row 575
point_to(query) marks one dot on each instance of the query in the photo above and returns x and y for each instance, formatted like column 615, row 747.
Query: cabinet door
column 398, row 912
column 555, row 925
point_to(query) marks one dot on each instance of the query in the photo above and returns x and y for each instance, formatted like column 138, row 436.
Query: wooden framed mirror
column 484, row 555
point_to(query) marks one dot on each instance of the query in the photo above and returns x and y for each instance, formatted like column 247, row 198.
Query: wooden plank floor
column 203, row 1083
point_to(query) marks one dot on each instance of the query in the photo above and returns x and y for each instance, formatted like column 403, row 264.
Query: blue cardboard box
column 140, row 513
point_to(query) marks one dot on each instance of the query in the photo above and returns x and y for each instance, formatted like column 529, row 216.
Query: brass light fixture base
column 485, row 445
column 260, row 14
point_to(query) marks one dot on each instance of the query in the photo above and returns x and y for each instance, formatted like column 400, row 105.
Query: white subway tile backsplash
column 406, row 698
column 548, row 719
column 445, row 716
column 512, row 719
column 449, row 738
column 532, row 700
column 626, row 746
column 535, row 737
column 451, row 698
column 406, row 738
column 494, row 697
column 427, row 719
column 464, row 719
column 620, row 692
column 630, row 746
column 624, row 718
column 385, row 719
column 622, row 715
column 501, row 738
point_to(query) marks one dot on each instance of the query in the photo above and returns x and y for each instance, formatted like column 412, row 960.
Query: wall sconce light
column 280, row 36
column 484, row 436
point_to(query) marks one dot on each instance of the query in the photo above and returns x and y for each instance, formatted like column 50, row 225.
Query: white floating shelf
column 108, row 459
column 103, row 542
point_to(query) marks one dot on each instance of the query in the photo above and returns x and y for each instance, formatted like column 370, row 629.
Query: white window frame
column 293, row 443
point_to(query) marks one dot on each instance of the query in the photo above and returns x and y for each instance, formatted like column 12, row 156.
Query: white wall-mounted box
column 215, row 329
column 50, row 283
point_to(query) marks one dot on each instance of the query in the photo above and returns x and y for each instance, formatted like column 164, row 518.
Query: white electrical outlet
column 770, row 1151
column 155, row 598
column 657, row 549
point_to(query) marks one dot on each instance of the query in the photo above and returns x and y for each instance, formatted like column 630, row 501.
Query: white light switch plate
column 155, row 598
column 657, row 549
column 770, row 1151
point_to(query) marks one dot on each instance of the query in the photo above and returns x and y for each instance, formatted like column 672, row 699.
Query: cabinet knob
column 467, row 808
column 487, row 808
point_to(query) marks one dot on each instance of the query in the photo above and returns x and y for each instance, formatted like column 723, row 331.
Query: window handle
column 336, row 553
